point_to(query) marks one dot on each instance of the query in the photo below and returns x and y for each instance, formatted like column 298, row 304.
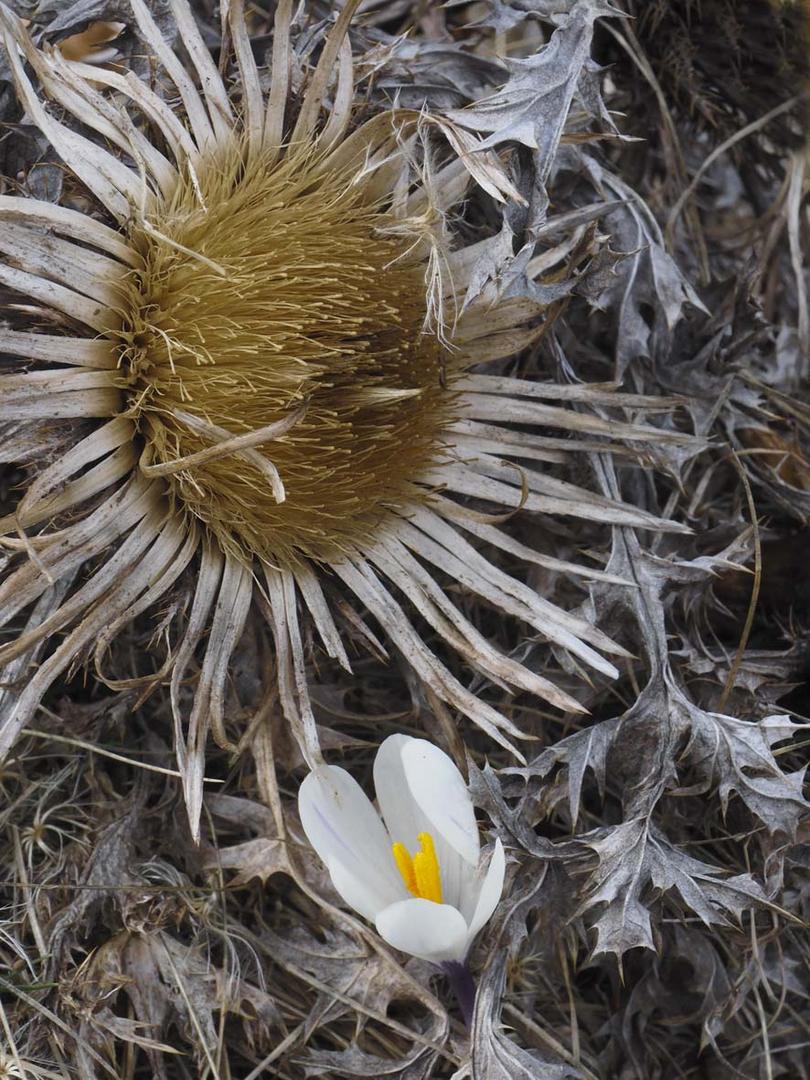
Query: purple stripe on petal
column 327, row 824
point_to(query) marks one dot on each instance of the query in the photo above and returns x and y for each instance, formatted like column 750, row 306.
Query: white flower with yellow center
column 416, row 872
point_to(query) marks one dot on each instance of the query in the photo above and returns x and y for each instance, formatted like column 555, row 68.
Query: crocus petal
column 363, row 894
column 406, row 819
column 401, row 814
column 435, row 932
column 438, row 789
column 345, row 830
column 490, row 894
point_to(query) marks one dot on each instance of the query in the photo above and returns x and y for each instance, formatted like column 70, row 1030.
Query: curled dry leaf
column 494, row 1055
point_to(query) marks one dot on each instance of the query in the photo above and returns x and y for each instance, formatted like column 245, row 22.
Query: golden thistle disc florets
column 278, row 297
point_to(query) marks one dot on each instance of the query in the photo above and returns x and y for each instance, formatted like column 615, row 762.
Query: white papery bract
column 430, row 904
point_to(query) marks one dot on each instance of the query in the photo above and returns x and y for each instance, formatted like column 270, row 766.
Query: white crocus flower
column 417, row 872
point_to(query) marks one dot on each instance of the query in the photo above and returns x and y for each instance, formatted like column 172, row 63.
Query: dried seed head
column 275, row 294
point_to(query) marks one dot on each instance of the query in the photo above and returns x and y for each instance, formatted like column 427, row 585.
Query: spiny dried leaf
column 494, row 1055
column 735, row 756
column 108, row 870
column 438, row 75
column 416, row 1065
column 71, row 17
column 350, row 981
column 647, row 276
column 689, row 976
column 585, row 750
column 731, row 755
column 504, row 15
column 511, row 825
column 532, row 107
column 105, row 1022
column 635, row 857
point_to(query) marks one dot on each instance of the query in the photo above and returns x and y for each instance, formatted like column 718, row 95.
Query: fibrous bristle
column 319, row 306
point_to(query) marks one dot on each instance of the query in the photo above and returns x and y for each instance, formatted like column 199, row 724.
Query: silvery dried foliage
column 658, row 844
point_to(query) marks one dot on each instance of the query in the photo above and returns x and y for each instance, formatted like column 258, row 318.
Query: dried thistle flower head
column 253, row 386
column 274, row 304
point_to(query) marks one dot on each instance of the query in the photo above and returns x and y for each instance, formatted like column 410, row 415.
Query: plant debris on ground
column 615, row 652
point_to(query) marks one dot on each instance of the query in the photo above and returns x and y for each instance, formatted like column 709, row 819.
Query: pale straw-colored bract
column 262, row 452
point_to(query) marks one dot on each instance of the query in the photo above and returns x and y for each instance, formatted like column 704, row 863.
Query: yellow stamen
column 402, row 857
column 426, row 869
column 420, row 872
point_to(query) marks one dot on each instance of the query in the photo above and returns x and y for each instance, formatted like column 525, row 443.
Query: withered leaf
column 419, row 73
column 532, row 106
column 584, row 750
column 108, row 870
column 355, row 1062
column 664, row 729
column 635, row 857
column 647, row 278
column 259, row 858
column 494, row 1055
column 511, row 824
column 503, row 15
column 76, row 15
column 173, row 985
column 736, row 756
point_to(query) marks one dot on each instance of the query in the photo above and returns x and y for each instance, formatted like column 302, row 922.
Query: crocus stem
column 463, row 984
